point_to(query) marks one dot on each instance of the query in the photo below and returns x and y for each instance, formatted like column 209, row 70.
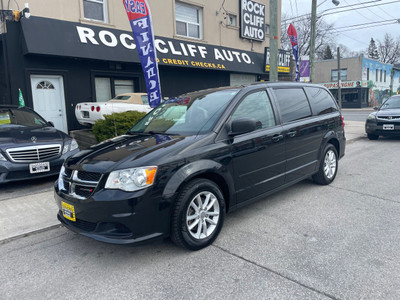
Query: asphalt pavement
column 25, row 215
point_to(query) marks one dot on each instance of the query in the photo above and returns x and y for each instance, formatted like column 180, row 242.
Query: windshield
column 392, row 102
column 11, row 117
column 122, row 98
column 194, row 113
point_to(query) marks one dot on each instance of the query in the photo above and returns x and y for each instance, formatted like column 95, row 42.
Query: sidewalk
column 37, row 212
column 354, row 130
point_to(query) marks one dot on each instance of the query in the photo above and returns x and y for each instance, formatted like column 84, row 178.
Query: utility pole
column 339, row 90
column 312, row 38
column 273, row 40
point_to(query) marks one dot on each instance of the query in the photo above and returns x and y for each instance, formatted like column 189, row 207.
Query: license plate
column 68, row 211
column 39, row 167
column 388, row 126
column 85, row 114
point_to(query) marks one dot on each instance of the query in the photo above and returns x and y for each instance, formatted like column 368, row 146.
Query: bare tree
column 389, row 49
column 324, row 35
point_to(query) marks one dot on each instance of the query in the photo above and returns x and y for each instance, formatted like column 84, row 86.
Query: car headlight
column 371, row 117
column 74, row 145
column 60, row 178
column 70, row 147
column 130, row 180
column 2, row 158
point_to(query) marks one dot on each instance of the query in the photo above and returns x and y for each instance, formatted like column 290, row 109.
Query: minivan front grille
column 34, row 153
column 79, row 184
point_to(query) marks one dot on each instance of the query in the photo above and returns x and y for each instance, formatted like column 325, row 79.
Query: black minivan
column 194, row 158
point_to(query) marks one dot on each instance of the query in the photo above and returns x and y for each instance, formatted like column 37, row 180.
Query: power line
column 369, row 10
column 362, row 24
column 345, row 30
column 361, row 14
column 305, row 16
column 384, row 11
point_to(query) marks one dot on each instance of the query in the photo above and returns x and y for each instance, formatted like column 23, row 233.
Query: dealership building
column 79, row 51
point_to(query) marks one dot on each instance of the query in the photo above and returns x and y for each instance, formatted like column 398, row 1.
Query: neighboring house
column 78, row 51
column 364, row 82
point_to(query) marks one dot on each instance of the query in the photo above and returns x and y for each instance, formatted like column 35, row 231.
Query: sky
column 371, row 15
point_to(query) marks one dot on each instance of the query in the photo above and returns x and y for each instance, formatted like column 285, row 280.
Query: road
column 12, row 190
column 356, row 114
column 307, row 242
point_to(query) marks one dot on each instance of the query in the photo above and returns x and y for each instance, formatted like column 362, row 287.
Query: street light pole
column 313, row 32
column 312, row 37
column 273, row 40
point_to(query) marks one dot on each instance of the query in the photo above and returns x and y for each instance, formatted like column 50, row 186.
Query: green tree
column 327, row 53
column 373, row 50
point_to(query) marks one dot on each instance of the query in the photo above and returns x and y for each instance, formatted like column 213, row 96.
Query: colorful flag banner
column 21, row 99
column 142, row 28
column 293, row 39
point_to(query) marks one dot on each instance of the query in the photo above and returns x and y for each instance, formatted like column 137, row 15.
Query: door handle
column 277, row 138
column 291, row 133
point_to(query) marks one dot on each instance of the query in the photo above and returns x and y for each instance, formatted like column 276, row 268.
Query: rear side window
column 293, row 104
column 321, row 101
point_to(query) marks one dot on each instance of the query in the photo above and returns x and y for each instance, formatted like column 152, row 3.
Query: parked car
column 385, row 121
column 87, row 113
column 196, row 157
column 30, row 147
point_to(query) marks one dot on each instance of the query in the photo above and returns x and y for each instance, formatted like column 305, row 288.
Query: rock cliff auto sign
column 252, row 20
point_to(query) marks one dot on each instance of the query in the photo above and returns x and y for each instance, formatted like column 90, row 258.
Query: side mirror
column 242, row 125
column 376, row 107
column 50, row 123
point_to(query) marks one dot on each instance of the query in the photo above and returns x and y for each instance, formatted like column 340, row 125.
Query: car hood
column 27, row 136
column 388, row 112
column 129, row 151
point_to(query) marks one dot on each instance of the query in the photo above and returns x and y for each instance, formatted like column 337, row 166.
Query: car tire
column 372, row 137
column 328, row 166
column 198, row 215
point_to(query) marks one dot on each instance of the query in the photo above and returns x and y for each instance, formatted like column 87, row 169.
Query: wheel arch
column 206, row 169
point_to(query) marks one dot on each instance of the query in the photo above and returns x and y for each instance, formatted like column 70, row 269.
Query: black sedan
column 30, row 147
column 385, row 121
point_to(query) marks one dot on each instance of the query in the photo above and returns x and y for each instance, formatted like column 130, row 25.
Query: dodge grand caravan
column 194, row 158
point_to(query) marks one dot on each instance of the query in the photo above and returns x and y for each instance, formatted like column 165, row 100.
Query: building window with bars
column 188, row 20
column 95, row 10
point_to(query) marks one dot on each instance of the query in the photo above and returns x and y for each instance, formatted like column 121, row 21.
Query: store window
column 95, row 10
column 377, row 75
column 381, row 76
column 188, row 20
column 384, row 77
column 367, row 73
column 108, row 87
column 343, row 74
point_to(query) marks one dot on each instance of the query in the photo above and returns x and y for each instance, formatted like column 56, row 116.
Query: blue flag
column 142, row 28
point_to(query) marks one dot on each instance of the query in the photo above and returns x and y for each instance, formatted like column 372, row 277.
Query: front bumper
column 117, row 217
column 11, row 171
column 377, row 128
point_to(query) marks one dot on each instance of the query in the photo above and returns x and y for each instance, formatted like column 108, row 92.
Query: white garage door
column 242, row 79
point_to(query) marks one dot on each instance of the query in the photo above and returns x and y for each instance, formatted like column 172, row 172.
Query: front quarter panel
column 194, row 169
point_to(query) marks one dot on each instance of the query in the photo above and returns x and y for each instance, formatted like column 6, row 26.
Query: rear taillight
column 92, row 108
column 98, row 108
column 343, row 121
